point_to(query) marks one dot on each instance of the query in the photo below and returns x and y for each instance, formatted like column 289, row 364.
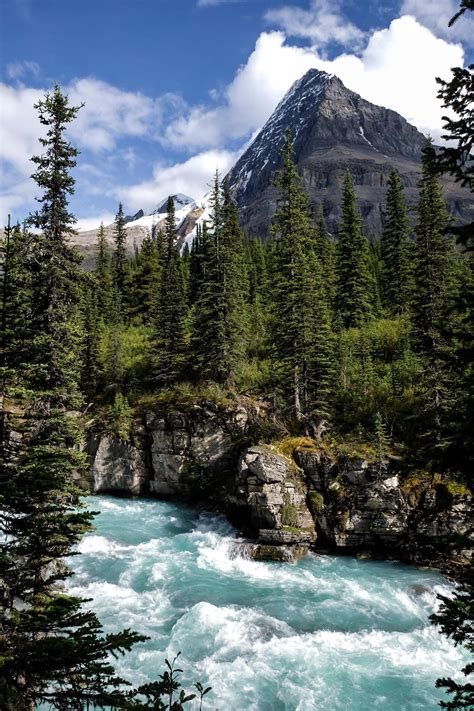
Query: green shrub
column 289, row 513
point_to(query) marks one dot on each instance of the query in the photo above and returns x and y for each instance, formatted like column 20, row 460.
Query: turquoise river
column 329, row 633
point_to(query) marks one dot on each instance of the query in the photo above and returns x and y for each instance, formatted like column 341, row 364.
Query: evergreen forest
column 354, row 338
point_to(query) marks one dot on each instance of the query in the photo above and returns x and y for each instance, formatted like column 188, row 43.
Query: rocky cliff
column 334, row 129
column 288, row 495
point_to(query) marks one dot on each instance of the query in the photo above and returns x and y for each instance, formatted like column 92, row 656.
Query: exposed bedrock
column 291, row 495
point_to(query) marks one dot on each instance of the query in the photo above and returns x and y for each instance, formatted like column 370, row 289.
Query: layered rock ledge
column 291, row 495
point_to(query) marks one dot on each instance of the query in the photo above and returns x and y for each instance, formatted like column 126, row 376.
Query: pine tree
column 234, row 285
column 146, row 280
column 381, row 442
column 169, row 344
column 300, row 327
column 195, row 265
column 103, row 275
column 354, row 290
column 91, row 321
column 120, row 265
column 218, row 321
column 433, row 290
column 456, row 620
column 395, row 250
column 326, row 252
column 51, row 649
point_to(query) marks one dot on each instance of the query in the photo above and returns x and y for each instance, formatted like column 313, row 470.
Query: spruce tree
column 395, row 250
column 326, row 252
column 168, row 343
column 218, row 320
column 91, row 322
column 195, row 265
column 103, row 275
column 51, row 650
column 433, row 291
column 146, row 280
column 120, row 265
column 300, row 326
column 354, row 290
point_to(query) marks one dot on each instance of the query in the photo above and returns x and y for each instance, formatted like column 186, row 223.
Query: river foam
column 328, row 633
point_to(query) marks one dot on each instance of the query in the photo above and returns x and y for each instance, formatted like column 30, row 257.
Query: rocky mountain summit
column 334, row 129
column 286, row 495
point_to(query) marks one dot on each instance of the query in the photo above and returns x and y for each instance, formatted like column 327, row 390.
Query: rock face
column 178, row 453
column 334, row 129
column 185, row 446
column 117, row 466
column 269, row 502
column 289, row 496
column 360, row 506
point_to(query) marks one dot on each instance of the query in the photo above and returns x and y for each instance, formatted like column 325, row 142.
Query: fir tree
column 120, row 264
column 326, row 253
column 171, row 308
column 90, row 373
column 51, row 649
column 195, row 265
column 395, row 250
column 300, row 311
column 433, row 290
column 354, row 290
column 146, row 280
column 103, row 276
column 218, row 323
column 456, row 620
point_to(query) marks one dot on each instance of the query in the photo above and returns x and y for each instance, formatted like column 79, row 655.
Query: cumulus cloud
column 322, row 24
column 191, row 177
column 436, row 15
column 109, row 115
column 397, row 69
column 249, row 99
column 19, row 127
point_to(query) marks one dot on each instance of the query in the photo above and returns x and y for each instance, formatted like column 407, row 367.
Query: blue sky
column 175, row 88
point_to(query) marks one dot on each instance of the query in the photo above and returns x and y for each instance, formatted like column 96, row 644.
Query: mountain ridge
column 334, row 129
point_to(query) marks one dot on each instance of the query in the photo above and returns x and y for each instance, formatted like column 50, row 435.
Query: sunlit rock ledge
column 289, row 495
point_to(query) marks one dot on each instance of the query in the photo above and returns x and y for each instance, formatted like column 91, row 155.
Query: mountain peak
column 334, row 130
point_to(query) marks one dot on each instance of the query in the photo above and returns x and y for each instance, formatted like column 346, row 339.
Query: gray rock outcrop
column 289, row 496
column 270, row 502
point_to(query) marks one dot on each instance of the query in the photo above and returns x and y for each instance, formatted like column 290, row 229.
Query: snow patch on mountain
column 299, row 102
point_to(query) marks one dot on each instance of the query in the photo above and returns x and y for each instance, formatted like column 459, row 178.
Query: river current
column 329, row 633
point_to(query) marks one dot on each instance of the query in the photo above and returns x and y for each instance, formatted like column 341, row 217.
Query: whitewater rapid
column 328, row 633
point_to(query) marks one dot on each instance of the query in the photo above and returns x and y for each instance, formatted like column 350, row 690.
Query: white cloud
column 436, row 14
column 396, row 69
column 19, row 127
column 17, row 70
column 214, row 3
column 110, row 113
column 91, row 223
column 191, row 177
column 323, row 24
column 250, row 98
